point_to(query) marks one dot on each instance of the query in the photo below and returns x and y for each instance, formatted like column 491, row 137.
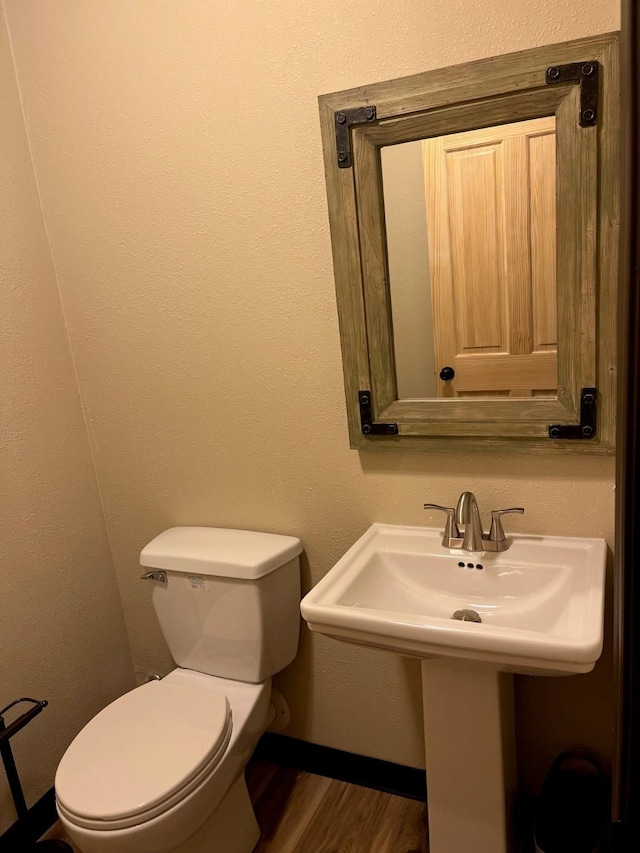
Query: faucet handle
column 496, row 533
column 451, row 528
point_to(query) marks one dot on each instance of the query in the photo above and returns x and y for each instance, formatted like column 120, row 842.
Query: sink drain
column 467, row 616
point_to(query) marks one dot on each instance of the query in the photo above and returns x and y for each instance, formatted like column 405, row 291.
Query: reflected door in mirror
column 472, row 262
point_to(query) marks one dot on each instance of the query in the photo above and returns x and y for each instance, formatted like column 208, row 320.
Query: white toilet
column 162, row 768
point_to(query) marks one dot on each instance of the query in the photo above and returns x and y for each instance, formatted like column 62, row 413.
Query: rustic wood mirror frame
column 545, row 81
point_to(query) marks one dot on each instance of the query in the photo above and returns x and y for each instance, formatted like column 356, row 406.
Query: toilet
column 161, row 769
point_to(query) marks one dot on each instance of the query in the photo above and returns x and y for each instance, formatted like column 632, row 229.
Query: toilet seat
column 142, row 754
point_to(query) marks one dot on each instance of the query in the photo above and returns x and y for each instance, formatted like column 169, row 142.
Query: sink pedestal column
column 470, row 752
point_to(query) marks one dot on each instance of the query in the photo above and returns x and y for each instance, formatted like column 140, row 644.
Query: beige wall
column 178, row 153
column 62, row 633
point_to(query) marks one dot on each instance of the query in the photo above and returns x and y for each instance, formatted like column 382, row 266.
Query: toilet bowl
column 161, row 769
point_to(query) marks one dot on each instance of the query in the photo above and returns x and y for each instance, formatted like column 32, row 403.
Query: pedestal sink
column 540, row 605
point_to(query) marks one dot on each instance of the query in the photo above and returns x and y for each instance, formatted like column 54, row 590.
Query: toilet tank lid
column 220, row 551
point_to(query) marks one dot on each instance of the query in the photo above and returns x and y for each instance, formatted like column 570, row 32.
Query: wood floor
column 303, row 813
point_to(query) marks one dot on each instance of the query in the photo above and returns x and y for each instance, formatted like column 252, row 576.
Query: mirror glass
column 471, row 246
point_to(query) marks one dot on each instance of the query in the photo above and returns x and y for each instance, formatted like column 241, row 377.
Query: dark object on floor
column 572, row 812
column 6, row 733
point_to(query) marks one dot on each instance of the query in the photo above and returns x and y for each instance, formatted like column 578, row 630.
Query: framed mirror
column 473, row 217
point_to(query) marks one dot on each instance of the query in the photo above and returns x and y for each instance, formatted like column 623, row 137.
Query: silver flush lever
column 154, row 576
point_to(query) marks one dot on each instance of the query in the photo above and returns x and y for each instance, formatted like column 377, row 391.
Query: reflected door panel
column 490, row 205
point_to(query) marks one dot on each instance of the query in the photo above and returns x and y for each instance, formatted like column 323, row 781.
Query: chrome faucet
column 467, row 514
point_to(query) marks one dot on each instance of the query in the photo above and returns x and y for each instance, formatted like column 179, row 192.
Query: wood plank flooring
column 302, row 813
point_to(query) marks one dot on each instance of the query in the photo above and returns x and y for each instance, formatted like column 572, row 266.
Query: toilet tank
column 230, row 605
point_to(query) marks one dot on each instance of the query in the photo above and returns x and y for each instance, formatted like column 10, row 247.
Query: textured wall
column 62, row 633
column 178, row 154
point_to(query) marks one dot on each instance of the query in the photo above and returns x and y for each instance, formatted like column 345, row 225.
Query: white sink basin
column 397, row 588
